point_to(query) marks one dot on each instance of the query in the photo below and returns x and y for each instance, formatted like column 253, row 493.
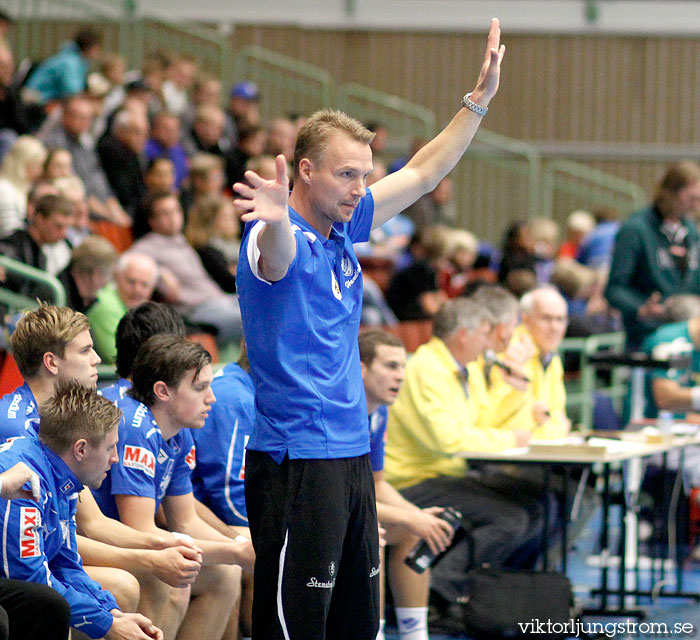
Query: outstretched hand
column 489, row 77
column 262, row 199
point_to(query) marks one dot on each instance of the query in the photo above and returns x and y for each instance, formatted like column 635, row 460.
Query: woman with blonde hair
column 20, row 167
column 212, row 229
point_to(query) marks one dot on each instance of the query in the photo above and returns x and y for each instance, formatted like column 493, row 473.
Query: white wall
column 680, row 17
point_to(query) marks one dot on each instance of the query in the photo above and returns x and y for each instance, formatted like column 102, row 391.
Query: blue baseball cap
column 245, row 90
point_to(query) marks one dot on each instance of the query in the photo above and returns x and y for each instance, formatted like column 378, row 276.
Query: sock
column 413, row 623
column 380, row 633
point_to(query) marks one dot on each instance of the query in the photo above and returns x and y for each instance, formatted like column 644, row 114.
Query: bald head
column 136, row 276
column 545, row 315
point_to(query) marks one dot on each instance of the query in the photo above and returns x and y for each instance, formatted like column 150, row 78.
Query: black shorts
column 314, row 529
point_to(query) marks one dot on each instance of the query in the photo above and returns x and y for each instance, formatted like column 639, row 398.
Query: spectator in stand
column 207, row 133
column 578, row 225
column 184, row 281
column 210, row 219
column 135, row 279
column 250, row 144
column 281, row 134
column 206, row 179
column 381, row 135
column 159, row 177
column 517, row 253
column 58, row 164
column 460, row 253
column 121, row 153
column 48, row 226
column 582, row 288
column 243, row 105
column 414, row 293
column 16, row 117
column 72, row 189
column 207, row 90
column 89, row 270
column 416, row 145
column 76, row 121
column 65, row 73
column 432, row 208
column 179, row 75
column 545, row 239
column 597, row 247
column 657, row 253
column 20, row 167
column 165, row 141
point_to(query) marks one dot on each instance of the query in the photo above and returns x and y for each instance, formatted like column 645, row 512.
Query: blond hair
column 47, row 329
column 76, row 412
column 313, row 137
column 201, row 220
column 14, row 164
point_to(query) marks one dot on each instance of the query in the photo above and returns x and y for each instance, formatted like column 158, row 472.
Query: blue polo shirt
column 218, row 478
column 377, row 437
column 19, row 414
column 149, row 466
column 301, row 334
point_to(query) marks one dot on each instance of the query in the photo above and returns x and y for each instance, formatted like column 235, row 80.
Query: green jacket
column 642, row 264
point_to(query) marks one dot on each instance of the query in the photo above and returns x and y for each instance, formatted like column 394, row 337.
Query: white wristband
column 183, row 536
column 695, row 398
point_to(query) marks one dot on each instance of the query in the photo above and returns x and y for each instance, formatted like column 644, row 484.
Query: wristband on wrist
column 695, row 398
column 468, row 103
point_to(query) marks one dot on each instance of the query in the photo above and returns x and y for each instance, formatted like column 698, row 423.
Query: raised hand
column 265, row 200
column 489, row 77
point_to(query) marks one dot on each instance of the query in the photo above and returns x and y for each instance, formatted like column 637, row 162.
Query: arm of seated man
column 394, row 509
column 138, row 512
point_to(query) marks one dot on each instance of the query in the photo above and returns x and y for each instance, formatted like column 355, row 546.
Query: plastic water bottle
column 664, row 421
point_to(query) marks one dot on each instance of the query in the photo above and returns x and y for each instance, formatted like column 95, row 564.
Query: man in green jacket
column 657, row 253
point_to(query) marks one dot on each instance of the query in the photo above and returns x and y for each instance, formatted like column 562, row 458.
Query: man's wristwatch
column 467, row 103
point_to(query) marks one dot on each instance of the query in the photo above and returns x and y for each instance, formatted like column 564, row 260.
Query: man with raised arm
column 309, row 487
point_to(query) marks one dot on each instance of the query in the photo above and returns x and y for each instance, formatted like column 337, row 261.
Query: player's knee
column 126, row 590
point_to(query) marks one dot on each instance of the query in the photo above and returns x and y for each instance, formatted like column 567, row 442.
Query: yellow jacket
column 433, row 419
column 512, row 409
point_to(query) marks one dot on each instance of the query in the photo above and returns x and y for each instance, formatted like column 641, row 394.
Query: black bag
column 517, row 604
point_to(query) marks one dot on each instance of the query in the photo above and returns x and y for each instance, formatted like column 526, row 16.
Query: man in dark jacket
column 657, row 253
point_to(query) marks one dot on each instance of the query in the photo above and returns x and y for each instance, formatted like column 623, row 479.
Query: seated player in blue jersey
column 171, row 394
column 218, row 477
column 383, row 360
column 136, row 326
column 77, row 444
column 52, row 344
column 34, row 611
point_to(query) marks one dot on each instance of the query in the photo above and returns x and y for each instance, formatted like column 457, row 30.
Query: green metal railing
column 579, row 393
column 567, row 186
column 407, row 120
column 286, row 85
column 12, row 301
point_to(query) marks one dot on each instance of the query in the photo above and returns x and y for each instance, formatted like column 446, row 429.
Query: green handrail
column 592, row 185
column 15, row 301
column 588, row 381
column 365, row 104
column 286, row 85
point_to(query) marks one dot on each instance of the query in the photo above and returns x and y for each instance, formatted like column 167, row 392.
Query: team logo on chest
column 346, row 266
